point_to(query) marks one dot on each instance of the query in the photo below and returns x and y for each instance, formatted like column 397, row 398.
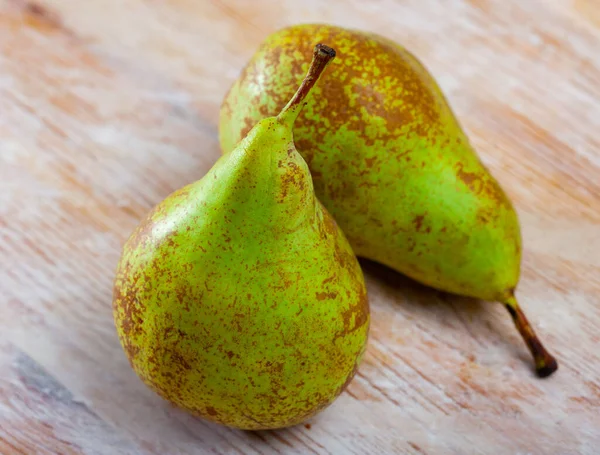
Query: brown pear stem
column 322, row 56
column 545, row 363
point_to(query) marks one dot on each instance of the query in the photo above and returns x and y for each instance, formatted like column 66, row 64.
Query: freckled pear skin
column 238, row 298
column 391, row 163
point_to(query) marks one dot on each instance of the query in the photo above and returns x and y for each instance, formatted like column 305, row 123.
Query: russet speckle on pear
column 238, row 298
column 391, row 163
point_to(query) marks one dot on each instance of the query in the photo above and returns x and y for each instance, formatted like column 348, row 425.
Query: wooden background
column 106, row 106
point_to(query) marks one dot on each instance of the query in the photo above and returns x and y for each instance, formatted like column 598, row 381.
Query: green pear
column 392, row 164
column 238, row 298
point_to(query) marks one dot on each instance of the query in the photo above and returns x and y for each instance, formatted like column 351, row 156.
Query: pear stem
column 322, row 56
column 545, row 363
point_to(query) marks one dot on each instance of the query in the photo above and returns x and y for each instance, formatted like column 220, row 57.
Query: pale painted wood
column 39, row 415
column 101, row 117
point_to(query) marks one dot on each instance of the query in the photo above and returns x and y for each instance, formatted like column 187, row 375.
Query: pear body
column 389, row 159
column 238, row 298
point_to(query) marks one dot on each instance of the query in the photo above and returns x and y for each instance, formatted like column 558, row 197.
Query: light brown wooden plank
column 39, row 416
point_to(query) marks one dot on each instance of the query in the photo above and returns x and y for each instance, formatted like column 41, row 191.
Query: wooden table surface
column 106, row 106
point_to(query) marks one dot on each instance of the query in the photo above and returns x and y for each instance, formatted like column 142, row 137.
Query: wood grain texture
column 101, row 118
column 39, row 415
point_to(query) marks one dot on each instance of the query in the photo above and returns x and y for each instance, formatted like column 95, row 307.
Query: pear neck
column 269, row 179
